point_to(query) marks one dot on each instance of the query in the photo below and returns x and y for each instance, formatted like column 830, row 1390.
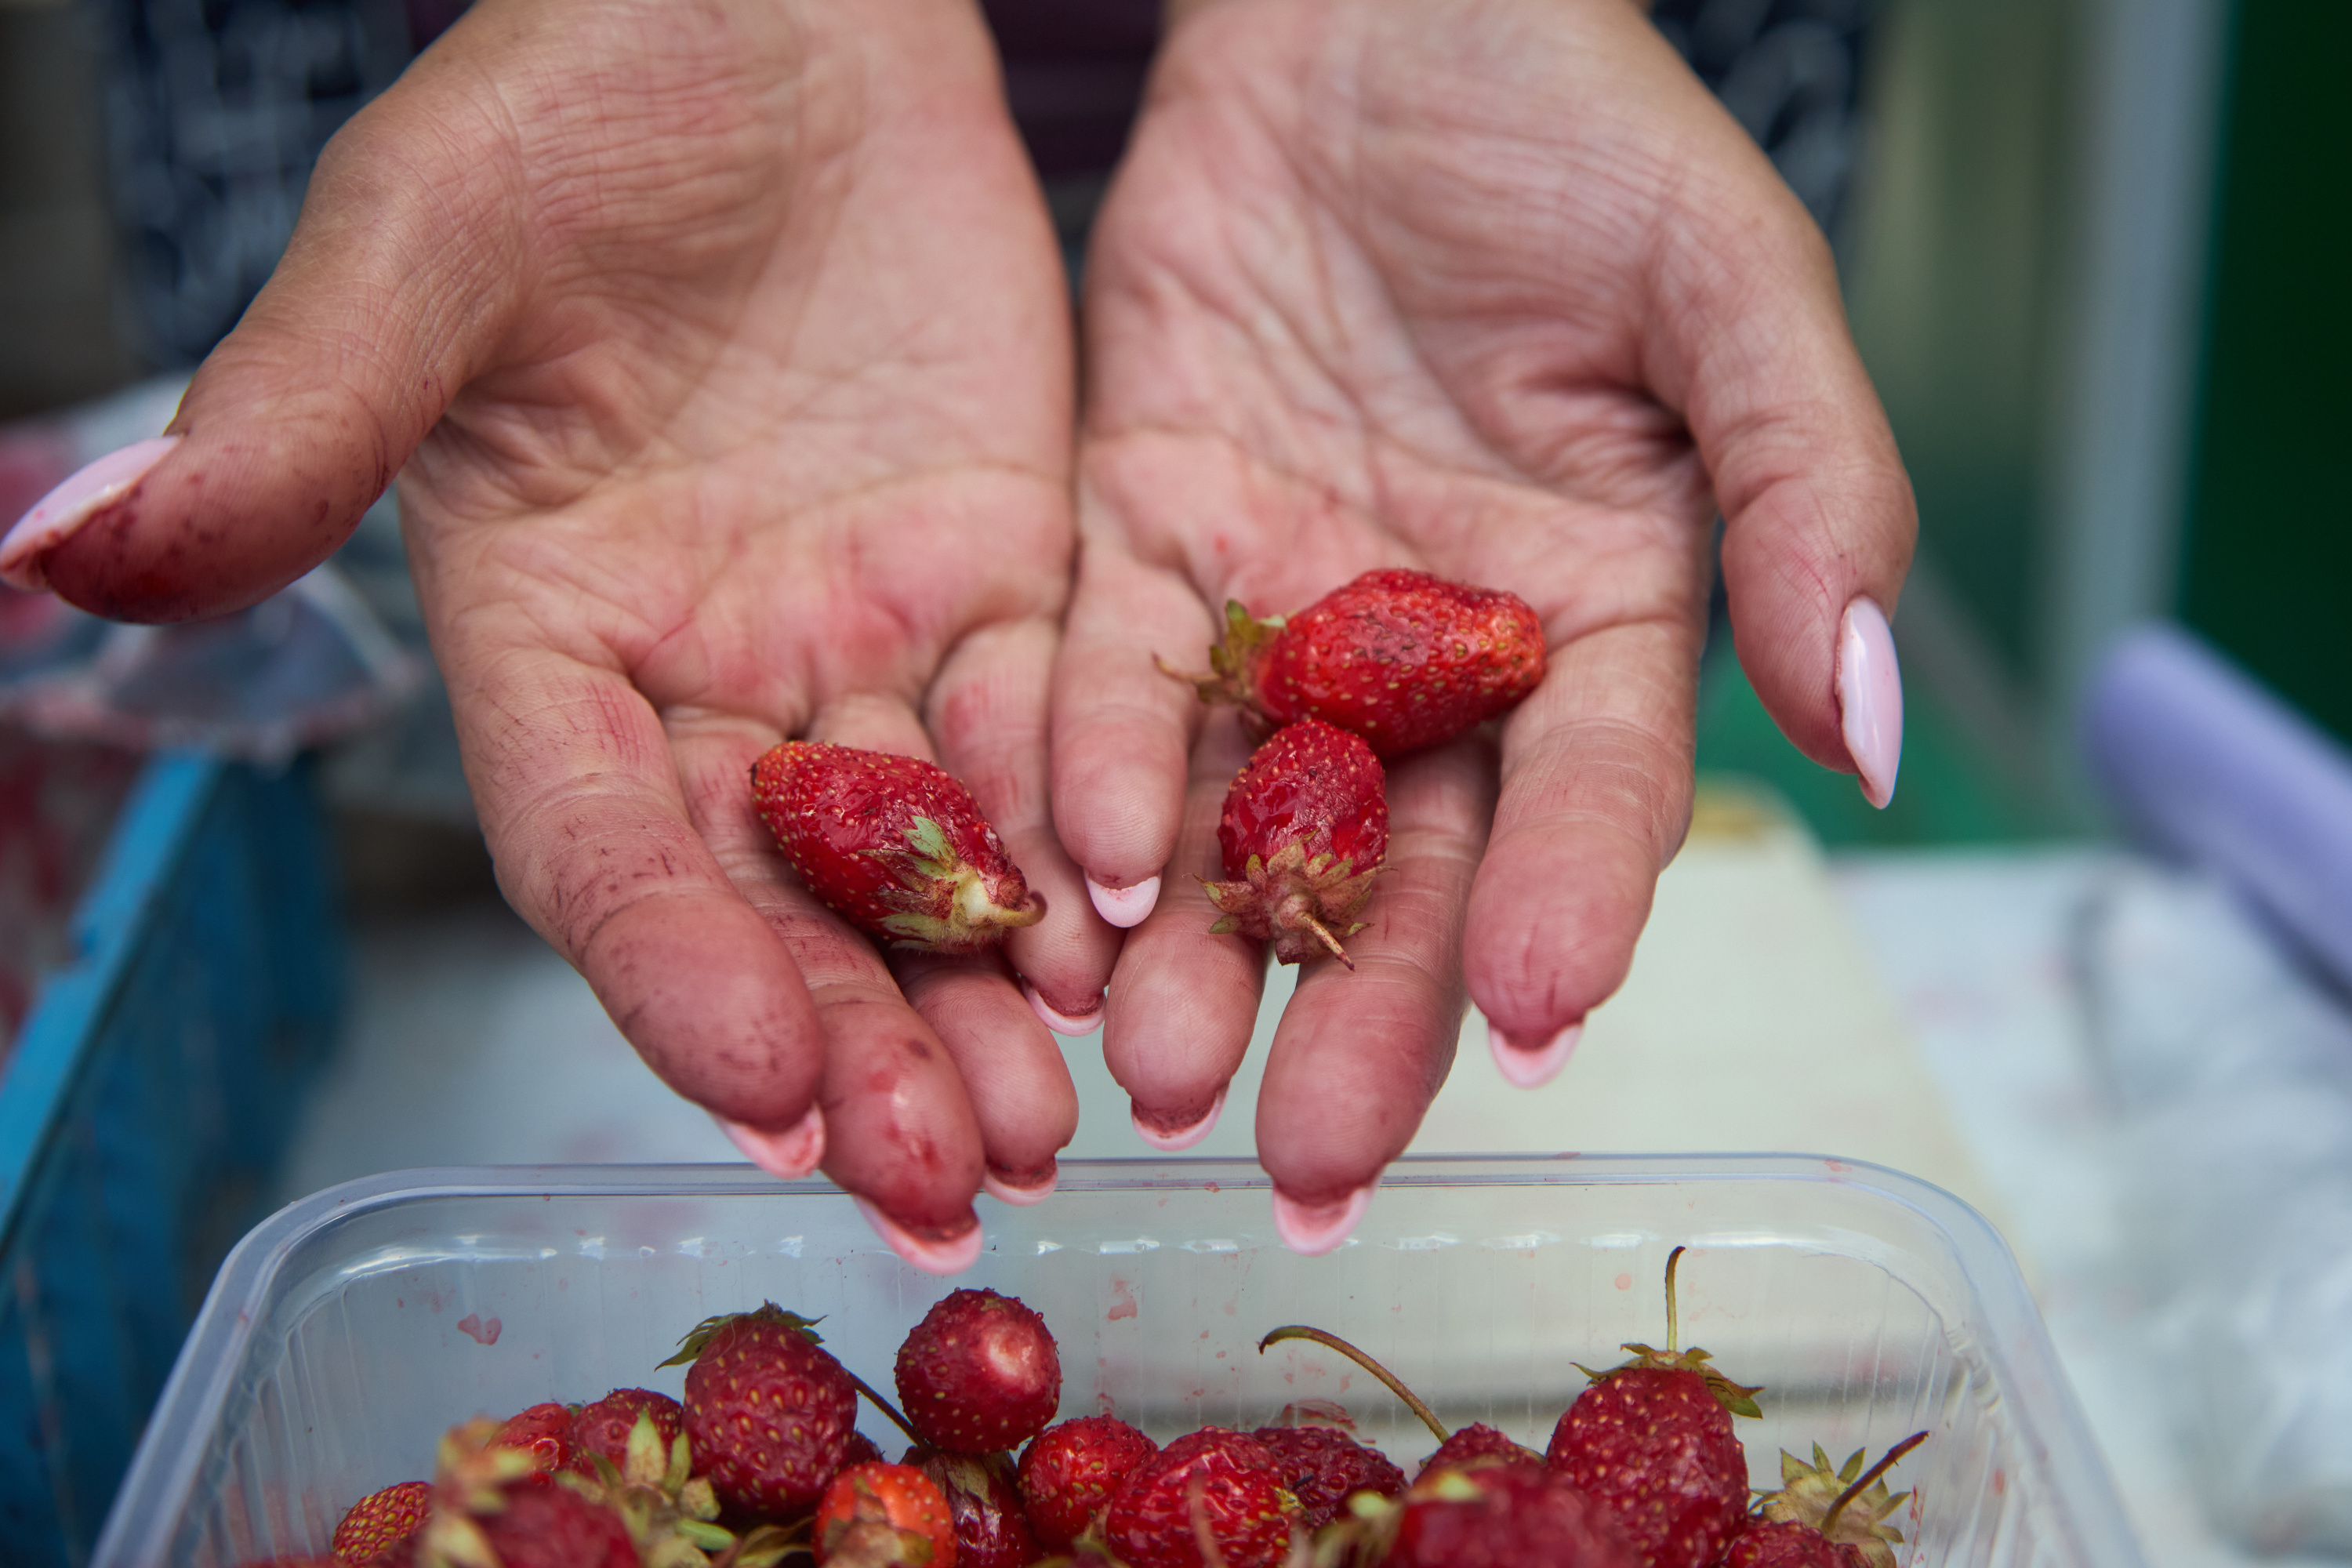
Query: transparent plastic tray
column 346, row 1332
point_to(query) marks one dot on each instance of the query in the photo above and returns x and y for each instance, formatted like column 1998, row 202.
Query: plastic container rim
column 172, row 1450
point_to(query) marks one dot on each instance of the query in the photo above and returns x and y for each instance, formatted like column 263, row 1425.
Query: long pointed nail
column 1124, row 907
column 1312, row 1229
column 65, row 508
column 1532, row 1067
column 1172, row 1140
column 1870, row 698
column 1022, row 1187
column 951, row 1256
column 791, row 1155
column 1063, row 1023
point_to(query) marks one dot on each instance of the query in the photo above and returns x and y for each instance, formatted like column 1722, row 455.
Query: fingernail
column 1169, row 1140
column 1063, row 1023
column 1022, row 1187
column 1532, row 1067
column 952, row 1255
column 65, row 508
column 791, row 1155
column 1313, row 1229
column 1870, row 698
column 1124, row 907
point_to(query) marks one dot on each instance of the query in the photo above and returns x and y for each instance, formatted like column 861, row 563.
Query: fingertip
column 1532, row 1066
column 1075, row 1024
column 1870, row 698
column 1173, row 1135
column 81, row 495
column 1312, row 1229
column 1021, row 1188
column 930, row 1251
column 1125, row 908
column 790, row 1155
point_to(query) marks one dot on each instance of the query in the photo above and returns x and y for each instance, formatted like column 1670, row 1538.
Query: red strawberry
column 1652, row 1439
column 545, row 1432
column 1402, row 658
column 492, row 1505
column 1322, row 1469
column 1474, row 1444
column 1844, row 1509
column 768, row 1413
column 892, row 845
column 1761, row 1543
column 1225, row 1484
column 860, row 1450
column 383, row 1525
column 1305, row 828
column 1071, row 1470
column 984, row 1505
column 884, row 1516
column 979, row 1373
column 1509, row 1515
column 603, row 1427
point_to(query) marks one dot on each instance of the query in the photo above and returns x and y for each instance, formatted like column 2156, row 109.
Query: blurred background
column 2093, row 252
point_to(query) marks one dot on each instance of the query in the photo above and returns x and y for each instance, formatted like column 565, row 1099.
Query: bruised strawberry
column 1400, row 658
column 884, row 1516
column 545, row 1432
column 1323, row 1468
column 1221, row 1483
column 983, row 1507
column 603, row 1427
column 1474, row 1444
column 1509, row 1515
column 769, row 1412
column 383, row 1525
column 1652, row 1439
column 1761, row 1543
column 1070, row 1471
column 1306, row 827
column 979, row 1373
column 892, row 845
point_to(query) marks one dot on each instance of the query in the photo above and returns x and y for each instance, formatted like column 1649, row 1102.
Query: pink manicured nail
column 1024, row 1193
column 65, row 508
column 1870, row 698
column 1312, row 1229
column 1124, row 907
column 1532, row 1067
column 1063, row 1023
column 1182, row 1137
column 952, row 1256
column 791, row 1155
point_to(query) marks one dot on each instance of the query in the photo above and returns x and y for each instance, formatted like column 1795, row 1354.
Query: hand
column 1493, row 289
column 731, row 345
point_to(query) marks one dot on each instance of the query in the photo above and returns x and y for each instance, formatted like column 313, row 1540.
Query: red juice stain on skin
column 1122, row 1301
column 481, row 1330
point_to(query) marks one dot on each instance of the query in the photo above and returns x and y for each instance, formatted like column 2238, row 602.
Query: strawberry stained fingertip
column 951, row 1254
column 1175, row 1140
column 1532, row 1067
column 1071, row 1024
column 78, row 496
column 1021, row 1188
column 791, row 1155
column 1312, row 1229
column 1124, row 907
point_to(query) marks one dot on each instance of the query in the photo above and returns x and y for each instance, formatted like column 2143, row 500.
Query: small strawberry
column 892, row 845
column 1472, row 1447
column 1400, row 658
column 604, row 1426
column 1477, row 1445
column 1845, row 1509
column 545, row 1432
column 382, row 1526
column 884, row 1516
column 1762, row 1544
column 983, row 1506
column 1211, row 1487
column 860, row 1450
column 494, row 1507
column 979, row 1373
column 1069, row 1472
column 768, row 1412
column 1653, row 1441
column 1323, row 1468
column 1508, row 1515
column 1305, row 828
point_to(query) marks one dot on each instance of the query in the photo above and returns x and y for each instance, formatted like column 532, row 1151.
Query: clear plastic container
column 349, row 1330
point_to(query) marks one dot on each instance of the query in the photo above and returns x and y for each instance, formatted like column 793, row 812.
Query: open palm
column 1492, row 288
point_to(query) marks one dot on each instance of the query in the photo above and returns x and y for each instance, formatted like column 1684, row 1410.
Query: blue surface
column 148, row 1098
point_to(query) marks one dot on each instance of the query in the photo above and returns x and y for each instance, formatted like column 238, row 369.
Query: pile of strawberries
column 762, row 1462
column 1390, row 663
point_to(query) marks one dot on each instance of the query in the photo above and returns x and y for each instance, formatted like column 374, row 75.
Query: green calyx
column 1735, row 1397
column 1848, row 1505
column 974, row 917
column 1234, row 660
column 699, row 1337
column 1306, row 906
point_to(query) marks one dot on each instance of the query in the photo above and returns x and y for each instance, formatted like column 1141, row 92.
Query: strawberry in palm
column 893, row 844
column 1305, row 830
column 1402, row 659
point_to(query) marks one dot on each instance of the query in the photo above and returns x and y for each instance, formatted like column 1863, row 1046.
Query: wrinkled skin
column 1491, row 288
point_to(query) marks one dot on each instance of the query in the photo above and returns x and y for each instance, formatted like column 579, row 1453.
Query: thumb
column 399, row 276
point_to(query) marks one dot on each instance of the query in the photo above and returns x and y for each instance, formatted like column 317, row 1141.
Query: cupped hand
column 723, row 354
column 1492, row 288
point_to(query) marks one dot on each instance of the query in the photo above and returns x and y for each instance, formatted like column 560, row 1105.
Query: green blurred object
column 2268, row 564
column 1948, row 793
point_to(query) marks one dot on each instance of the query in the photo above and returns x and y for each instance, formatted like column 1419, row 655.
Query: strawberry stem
column 1324, row 931
column 887, row 1408
column 1829, row 1518
column 1412, row 1403
column 1673, row 1258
